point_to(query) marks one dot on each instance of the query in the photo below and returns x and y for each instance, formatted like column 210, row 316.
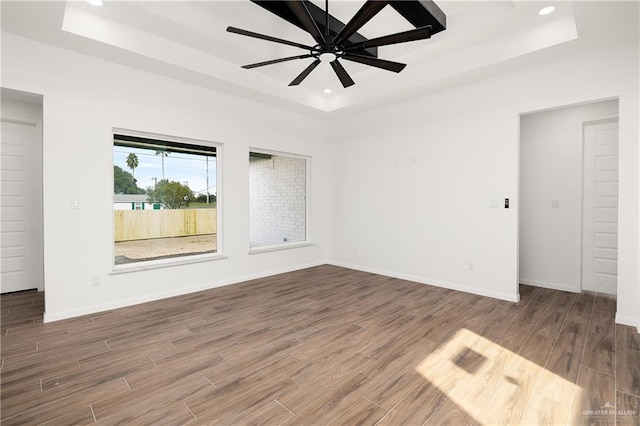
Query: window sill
column 164, row 263
column 279, row 247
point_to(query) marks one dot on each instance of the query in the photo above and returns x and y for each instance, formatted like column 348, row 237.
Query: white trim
column 550, row 285
column 219, row 199
column 72, row 313
column 279, row 247
column 517, row 206
column 278, row 153
column 604, row 118
column 308, row 199
column 625, row 320
column 579, row 212
column 164, row 263
column 437, row 283
column 571, row 105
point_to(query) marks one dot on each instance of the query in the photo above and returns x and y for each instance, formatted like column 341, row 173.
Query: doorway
column 21, row 224
column 568, row 198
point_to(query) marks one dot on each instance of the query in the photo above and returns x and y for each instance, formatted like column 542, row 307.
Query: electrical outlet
column 355, row 249
column 95, row 280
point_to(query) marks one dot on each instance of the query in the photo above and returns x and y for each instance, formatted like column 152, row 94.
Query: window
column 277, row 199
column 165, row 198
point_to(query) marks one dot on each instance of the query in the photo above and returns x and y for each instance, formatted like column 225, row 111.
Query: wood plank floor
column 324, row 345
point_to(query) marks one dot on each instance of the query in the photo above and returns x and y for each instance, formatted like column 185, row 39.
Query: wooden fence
column 144, row 224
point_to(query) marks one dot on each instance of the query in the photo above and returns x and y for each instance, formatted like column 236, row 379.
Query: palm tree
column 162, row 154
column 132, row 163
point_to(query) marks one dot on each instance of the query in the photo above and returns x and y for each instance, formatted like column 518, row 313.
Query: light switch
column 75, row 204
column 555, row 204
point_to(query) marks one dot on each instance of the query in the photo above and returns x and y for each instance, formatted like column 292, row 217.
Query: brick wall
column 277, row 201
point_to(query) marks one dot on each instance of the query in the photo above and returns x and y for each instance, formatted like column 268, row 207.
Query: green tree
column 124, row 183
column 132, row 163
column 202, row 198
column 173, row 195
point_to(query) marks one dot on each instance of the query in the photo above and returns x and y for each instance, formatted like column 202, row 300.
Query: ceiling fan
column 335, row 40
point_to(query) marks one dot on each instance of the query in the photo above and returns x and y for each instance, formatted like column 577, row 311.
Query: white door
column 20, row 208
column 600, row 207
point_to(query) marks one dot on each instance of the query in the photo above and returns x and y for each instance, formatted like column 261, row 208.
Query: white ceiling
column 186, row 40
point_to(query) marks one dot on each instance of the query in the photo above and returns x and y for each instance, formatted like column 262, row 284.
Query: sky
column 184, row 168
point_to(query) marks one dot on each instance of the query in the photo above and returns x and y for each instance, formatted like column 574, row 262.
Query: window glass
column 277, row 198
column 165, row 198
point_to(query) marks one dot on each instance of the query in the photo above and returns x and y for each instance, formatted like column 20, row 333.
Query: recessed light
column 327, row 90
column 95, row 2
column 546, row 10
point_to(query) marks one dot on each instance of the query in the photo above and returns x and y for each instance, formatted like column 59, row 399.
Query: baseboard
column 625, row 320
column 88, row 310
column 550, row 285
column 427, row 281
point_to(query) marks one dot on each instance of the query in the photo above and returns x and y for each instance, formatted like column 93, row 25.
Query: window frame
column 307, row 231
column 178, row 260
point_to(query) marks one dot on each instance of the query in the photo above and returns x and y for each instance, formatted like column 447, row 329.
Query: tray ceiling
column 186, row 40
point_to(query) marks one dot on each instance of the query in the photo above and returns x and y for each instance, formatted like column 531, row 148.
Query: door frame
column 602, row 119
column 11, row 117
column 579, row 182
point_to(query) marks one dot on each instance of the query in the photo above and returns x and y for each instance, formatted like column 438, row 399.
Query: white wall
column 409, row 183
column 277, row 200
column 12, row 106
column 84, row 98
column 413, row 181
column 551, row 169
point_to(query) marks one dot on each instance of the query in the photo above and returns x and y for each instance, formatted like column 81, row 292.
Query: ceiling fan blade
column 403, row 37
column 275, row 61
column 364, row 15
column 305, row 73
column 266, row 37
column 375, row 62
column 302, row 13
column 345, row 79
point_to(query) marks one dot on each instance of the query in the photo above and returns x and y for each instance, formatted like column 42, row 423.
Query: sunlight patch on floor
column 495, row 385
